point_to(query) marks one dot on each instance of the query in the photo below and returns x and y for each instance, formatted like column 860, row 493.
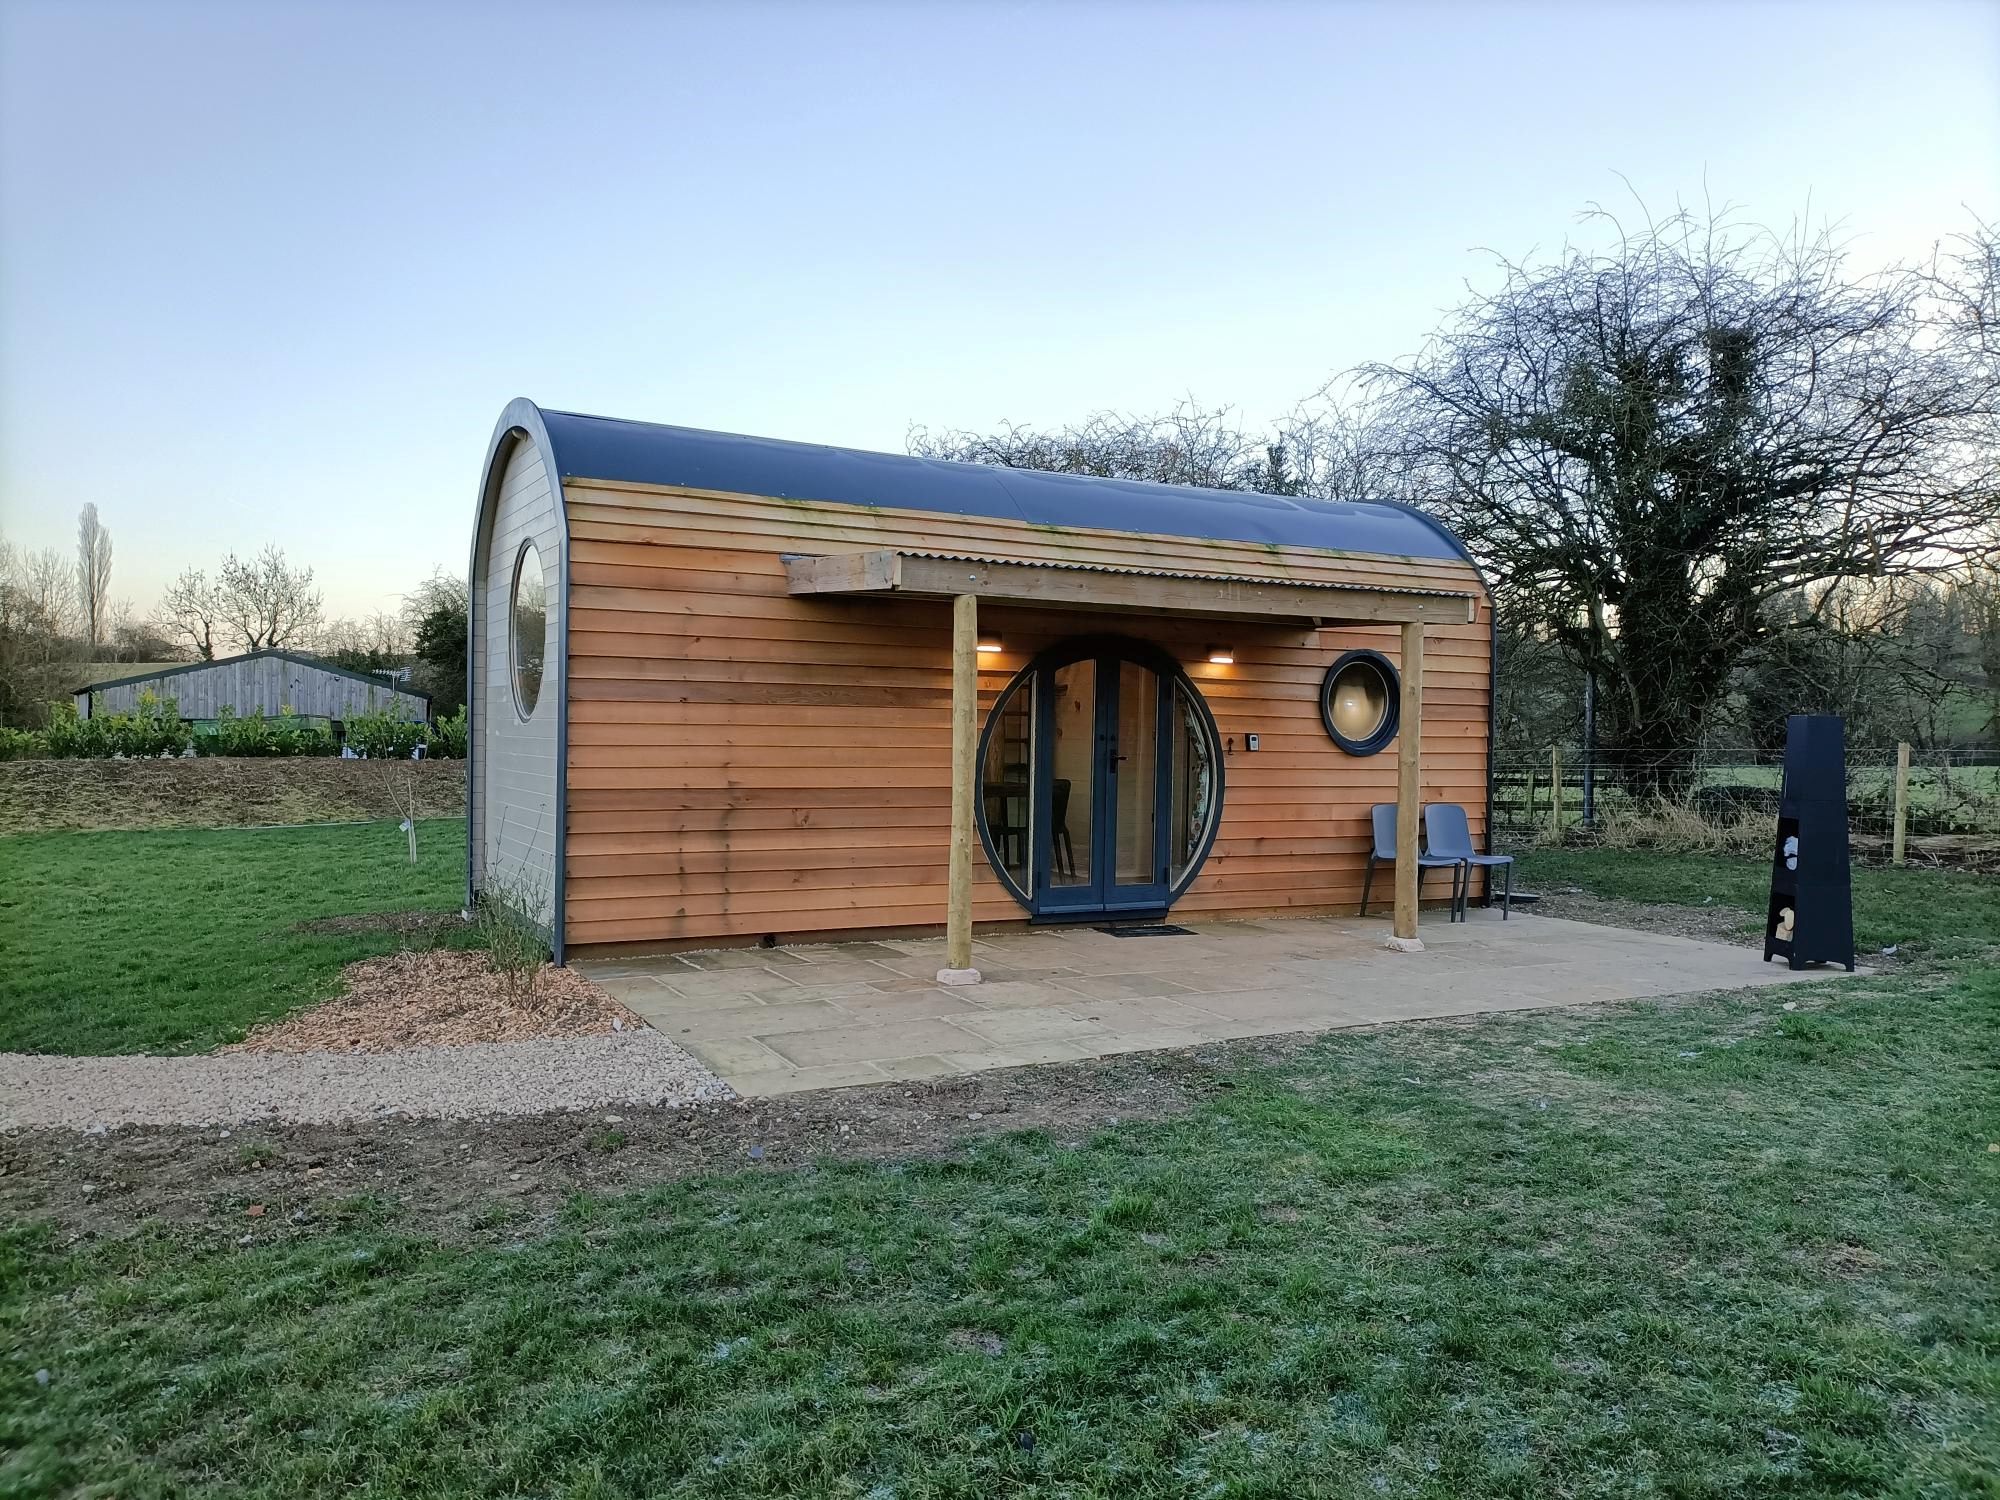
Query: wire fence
column 1726, row 800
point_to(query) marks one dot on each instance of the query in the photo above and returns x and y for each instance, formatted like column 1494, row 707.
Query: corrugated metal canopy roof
column 617, row 451
column 1133, row 571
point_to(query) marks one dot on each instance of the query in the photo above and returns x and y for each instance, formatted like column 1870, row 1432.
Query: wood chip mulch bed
column 442, row 998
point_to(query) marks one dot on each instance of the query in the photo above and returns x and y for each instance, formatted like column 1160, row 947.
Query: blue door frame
column 1104, row 894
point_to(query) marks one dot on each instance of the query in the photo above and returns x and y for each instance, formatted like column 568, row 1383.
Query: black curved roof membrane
column 617, row 451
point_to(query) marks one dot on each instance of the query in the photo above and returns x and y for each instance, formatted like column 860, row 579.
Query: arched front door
column 1100, row 781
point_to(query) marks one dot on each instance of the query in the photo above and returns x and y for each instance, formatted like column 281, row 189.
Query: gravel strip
column 326, row 1088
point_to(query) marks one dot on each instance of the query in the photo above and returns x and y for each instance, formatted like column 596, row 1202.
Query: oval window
column 528, row 629
column 1358, row 702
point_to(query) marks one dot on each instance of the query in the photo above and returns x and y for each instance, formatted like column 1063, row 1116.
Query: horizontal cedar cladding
column 742, row 761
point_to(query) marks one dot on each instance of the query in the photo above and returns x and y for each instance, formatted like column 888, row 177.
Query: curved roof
column 605, row 448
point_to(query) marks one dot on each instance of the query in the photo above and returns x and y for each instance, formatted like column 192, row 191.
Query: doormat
column 1148, row 929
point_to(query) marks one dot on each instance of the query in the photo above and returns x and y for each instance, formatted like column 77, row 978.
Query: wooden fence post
column 1555, row 794
column 1902, row 801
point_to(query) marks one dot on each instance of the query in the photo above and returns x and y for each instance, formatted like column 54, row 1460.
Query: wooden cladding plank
column 752, row 717
column 740, row 799
column 671, row 779
column 748, row 883
column 697, row 855
column 851, row 695
column 641, row 828
column 884, row 759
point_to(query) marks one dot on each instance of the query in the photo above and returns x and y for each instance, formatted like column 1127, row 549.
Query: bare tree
column 46, row 588
column 1982, row 605
column 1649, row 445
column 190, row 614
column 135, row 639
column 1324, row 449
column 379, row 635
column 40, row 655
column 266, row 602
column 93, row 575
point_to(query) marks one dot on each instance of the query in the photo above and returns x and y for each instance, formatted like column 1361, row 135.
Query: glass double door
column 1103, row 793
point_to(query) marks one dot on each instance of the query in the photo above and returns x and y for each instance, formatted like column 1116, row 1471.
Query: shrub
column 1677, row 828
column 19, row 744
column 381, row 735
column 153, row 726
column 513, row 942
column 256, row 735
column 69, row 735
column 448, row 736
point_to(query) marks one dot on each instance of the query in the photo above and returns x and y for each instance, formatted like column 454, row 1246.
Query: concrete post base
column 958, row 976
column 1404, row 945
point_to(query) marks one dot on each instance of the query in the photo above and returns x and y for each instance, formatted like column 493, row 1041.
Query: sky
column 269, row 272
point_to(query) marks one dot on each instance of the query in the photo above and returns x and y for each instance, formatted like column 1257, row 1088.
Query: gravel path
column 324, row 1088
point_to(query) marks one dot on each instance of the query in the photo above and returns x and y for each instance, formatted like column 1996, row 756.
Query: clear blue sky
column 269, row 271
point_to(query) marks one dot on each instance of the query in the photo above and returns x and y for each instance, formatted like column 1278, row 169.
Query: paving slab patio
column 775, row 1021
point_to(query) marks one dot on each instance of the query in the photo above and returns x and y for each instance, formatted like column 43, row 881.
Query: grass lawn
column 1709, row 1248
column 177, row 941
column 1940, row 915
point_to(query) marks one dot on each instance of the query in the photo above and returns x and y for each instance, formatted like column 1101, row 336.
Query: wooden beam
column 1056, row 587
column 964, row 750
column 844, row 573
column 1409, row 796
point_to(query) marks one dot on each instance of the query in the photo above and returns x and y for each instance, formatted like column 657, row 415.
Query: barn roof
column 181, row 669
column 616, row 451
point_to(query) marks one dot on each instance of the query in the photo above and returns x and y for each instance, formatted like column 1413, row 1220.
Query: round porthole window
column 528, row 629
column 1358, row 702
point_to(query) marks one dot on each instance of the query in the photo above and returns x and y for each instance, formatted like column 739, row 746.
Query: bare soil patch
column 42, row 796
column 441, row 998
column 1710, row 924
column 508, row 1176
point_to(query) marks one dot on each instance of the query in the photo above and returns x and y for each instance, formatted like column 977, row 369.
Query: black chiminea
column 1811, row 916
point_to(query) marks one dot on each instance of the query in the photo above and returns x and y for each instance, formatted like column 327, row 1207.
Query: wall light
column 989, row 643
column 1221, row 656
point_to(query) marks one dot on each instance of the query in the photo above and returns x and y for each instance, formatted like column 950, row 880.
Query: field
column 180, row 940
column 1699, row 1247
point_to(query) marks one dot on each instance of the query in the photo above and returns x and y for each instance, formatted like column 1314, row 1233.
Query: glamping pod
column 730, row 690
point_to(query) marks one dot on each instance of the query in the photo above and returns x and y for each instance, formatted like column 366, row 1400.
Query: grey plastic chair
column 1383, row 816
column 1450, row 836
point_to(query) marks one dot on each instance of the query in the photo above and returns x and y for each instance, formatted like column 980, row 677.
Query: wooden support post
column 1902, row 801
column 964, row 752
column 1409, row 796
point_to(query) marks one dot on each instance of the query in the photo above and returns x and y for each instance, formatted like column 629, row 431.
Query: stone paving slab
column 829, row 1015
